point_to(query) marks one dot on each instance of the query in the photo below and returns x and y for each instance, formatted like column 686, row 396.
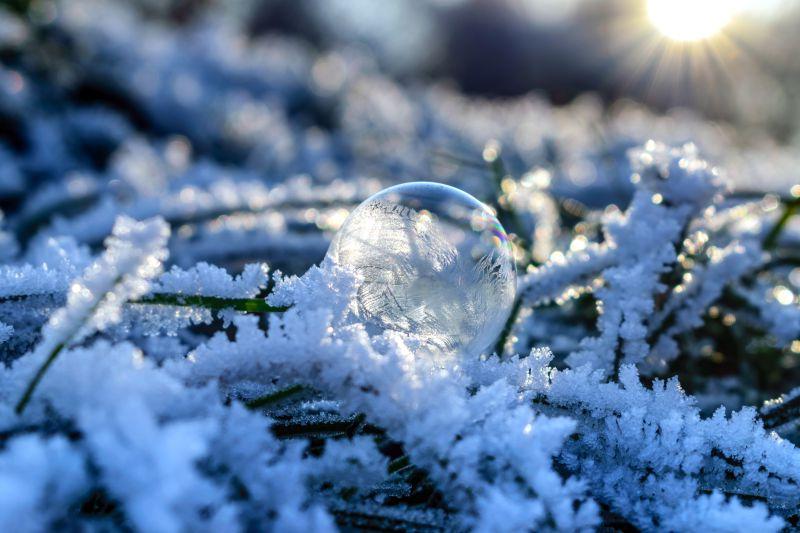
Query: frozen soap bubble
column 434, row 262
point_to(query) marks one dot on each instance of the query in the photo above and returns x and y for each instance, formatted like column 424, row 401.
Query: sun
column 691, row 20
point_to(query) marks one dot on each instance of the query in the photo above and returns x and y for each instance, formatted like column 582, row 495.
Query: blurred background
column 108, row 106
column 731, row 59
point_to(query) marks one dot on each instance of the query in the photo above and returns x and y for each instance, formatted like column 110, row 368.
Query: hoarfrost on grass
column 211, row 156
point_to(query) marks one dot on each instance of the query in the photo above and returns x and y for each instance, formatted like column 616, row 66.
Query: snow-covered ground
column 180, row 355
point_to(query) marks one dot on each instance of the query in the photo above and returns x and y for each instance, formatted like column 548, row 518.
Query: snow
column 653, row 317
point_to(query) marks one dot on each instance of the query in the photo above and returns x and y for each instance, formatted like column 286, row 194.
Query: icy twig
column 134, row 255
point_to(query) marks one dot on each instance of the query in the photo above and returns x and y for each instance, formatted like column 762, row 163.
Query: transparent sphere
column 435, row 262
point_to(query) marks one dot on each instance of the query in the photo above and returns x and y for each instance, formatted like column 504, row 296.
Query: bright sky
column 692, row 20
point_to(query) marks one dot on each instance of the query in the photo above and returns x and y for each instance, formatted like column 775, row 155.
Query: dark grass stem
column 215, row 303
column 782, row 414
column 26, row 396
column 332, row 428
column 399, row 464
column 504, row 209
column 456, row 159
column 275, row 397
column 791, row 207
column 499, row 348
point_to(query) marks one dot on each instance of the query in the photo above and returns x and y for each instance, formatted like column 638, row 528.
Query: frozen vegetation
column 179, row 356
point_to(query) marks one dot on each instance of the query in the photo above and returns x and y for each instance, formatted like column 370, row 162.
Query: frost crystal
column 5, row 332
column 155, row 159
column 210, row 280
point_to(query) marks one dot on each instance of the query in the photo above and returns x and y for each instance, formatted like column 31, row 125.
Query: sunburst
column 678, row 52
column 691, row 20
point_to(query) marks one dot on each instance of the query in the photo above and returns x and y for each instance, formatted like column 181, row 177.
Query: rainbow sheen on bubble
column 433, row 261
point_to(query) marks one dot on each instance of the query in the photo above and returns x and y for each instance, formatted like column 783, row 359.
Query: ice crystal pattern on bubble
column 434, row 261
